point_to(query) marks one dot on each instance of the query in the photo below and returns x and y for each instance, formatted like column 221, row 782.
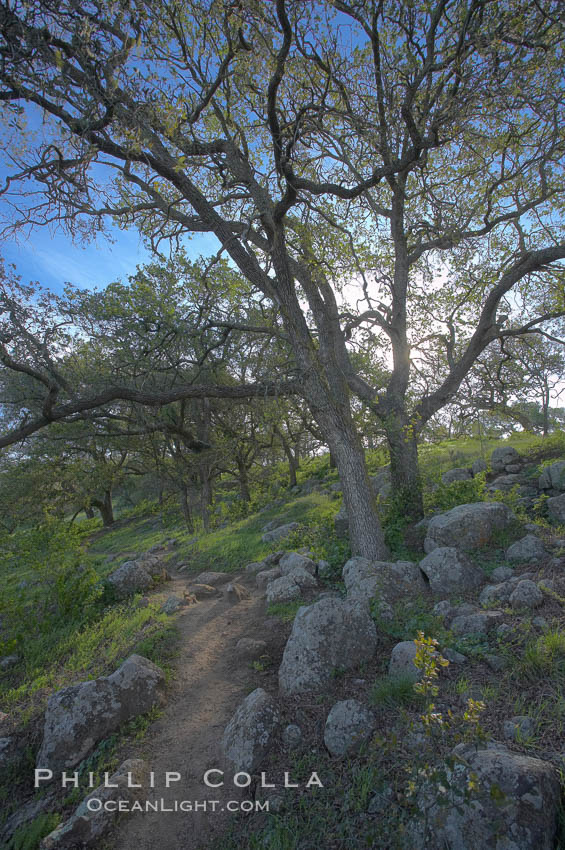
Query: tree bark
column 404, row 468
column 105, row 507
column 185, row 507
column 243, row 479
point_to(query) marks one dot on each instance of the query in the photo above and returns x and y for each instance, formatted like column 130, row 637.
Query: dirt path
column 209, row 683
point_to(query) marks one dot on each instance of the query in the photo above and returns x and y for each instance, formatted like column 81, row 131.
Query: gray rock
column 381, row 484
column 515, row 808
column 529, row 548
column 348, row 726
column 324, row 567
column 443, row 609
column 502, row 457
column 130, row 578
column 204, row 591
column 249, row 734
column 526, row 594
column 234, row 593
column 255, row 567
column 212, row 578
column 273, row 559
column 502, row 573
column 468, row 526
column 504, row 630
column 264, row 578
column 389, row 582
column 328, row 635
column 401, row 662
column 451, row 572
column 480, row 623
column 456, row 475
column 293, row 560
column 496, row 662
column 10, row 752
column 453, row 656
column 250, row 648
column 512, row 468
column 341, row 522
column 478, row 466
column 504, row 483
column 518, row 728
column 280, row 532
column 86, row 826
column 496, row 594
column 553, row 477
column 556, row 508
column 302, row 577
column 292, row 736
column 173, row 604
column 540, row 623
column 79, row 716
column 283, row 589
column 8, row 661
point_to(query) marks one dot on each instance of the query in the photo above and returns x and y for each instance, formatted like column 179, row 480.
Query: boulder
column 255, row 567
column 234, row 593
column 502, row 573
column 526, row 594
column 330, row 634
column 502, row 457
column 204, row 591
column 456, row 475
column 8, row 661
column 10, row 752
column 504, row 483
column 173, row 604
column 283, row 589
column 341, row 522
column 478, row 466
column 250, row 648
column 303, row 578
column 388, row 581
column 130, row 578
column 86, row 826
column 553, row 477
column 529, row 548
column 468, row 526
column 556, row 509
column 518, row 728
column 264, row 578
column 349, row 725
column 451, row 572
column 401, row 662
column 292, row 736
column 381, row 484
column 212, row 578
column 280, row 532
column 79, row 716
column 272, row 559
column 496, row 594
column 249, row 734
column 294, row 560
column 478, row 623
column 515, row 806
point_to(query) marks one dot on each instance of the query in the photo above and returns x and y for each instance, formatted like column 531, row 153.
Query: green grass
column 286, row 611
column 28, row 836
column 394, row 691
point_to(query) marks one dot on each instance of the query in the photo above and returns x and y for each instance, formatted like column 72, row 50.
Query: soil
column 210, row 681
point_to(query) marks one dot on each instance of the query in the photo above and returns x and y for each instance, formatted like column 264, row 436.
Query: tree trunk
column 205, row 498
column 332, row 460
column 185, row 507
column 243, row 479
column 105, row 508
column 365, row 532
column 404, row 468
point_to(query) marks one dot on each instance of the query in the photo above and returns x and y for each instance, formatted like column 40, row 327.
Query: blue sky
column 52, row 258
